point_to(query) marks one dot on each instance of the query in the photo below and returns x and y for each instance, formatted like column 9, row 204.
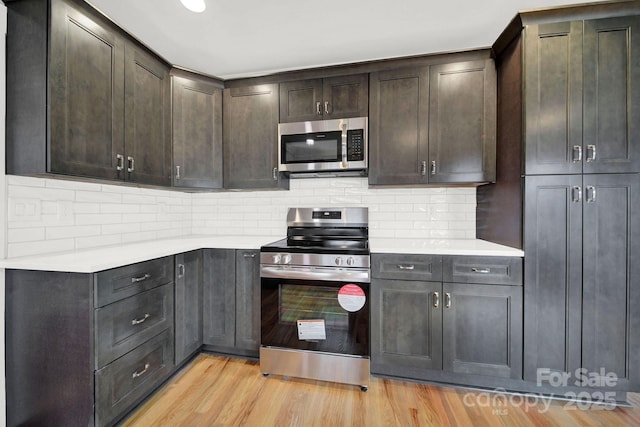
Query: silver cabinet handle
column 249, row 254
column 275, row 174
column 576, row 194
column 423, row 170
column 119, row 162
column 132, row 164
column 141, row 373
column 447, row 300
column 141, row 320
column 481, row 270
column 591, row 153
column 591, row 193
column 577, row 153
column 406, row 267
column 177, row 172
column 326, row 107
column 318, row 108
column 141, row 278
column 436, row 299
column 181, row 270
column 433, row 167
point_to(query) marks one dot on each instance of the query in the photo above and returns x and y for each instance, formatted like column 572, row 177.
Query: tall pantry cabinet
column 568, row 186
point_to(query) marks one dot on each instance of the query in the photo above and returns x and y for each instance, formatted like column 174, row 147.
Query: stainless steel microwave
column 335, row 146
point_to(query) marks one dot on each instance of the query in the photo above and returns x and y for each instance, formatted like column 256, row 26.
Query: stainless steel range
column 315, row 297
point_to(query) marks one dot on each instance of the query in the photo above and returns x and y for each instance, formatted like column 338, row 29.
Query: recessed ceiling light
column 194, row 5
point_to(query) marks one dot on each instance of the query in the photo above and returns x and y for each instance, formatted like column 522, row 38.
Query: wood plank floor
column 220, row 391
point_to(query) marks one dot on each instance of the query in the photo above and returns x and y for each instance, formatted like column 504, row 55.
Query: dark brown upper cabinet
column 197, row 131
column 398, row 126
column 581, row 78
column 250, row 136
column 90, row 103
column 322, row 99
column 433, row 124
column 462, row 122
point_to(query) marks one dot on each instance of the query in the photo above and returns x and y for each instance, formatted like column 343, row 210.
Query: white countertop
column 103, row 258
column 106, row 257
column 471, row 247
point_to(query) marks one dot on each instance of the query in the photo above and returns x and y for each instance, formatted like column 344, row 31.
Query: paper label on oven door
column 312, row 330
column 351, row 297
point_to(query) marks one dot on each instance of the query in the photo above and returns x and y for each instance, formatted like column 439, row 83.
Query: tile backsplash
column 48, row 215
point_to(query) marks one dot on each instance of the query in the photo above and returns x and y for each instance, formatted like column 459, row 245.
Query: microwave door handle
column 344, row 145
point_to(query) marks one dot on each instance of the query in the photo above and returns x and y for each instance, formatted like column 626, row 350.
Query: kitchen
column 52, row 215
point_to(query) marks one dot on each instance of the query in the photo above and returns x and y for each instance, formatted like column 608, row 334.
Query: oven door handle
column 315, row 273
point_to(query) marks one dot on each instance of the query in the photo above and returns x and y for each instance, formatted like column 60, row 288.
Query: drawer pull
column 141, row 278
column 249, row 254
column 138, row 321
column 141, row 373
column 436, row 299
column 447, row 300
column 406, row 266
column 481, row 270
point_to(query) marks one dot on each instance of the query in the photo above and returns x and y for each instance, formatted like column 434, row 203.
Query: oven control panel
column 316, row 260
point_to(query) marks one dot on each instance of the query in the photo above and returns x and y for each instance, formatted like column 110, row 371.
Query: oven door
column 319, row 315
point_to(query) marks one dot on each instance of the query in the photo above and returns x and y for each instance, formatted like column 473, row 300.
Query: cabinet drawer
column 122, row 282
column 406, row 267
column 123, row 325
column 491, row 270
column 128, row 380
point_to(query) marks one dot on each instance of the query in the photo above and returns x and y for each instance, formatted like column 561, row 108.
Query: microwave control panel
column 355, row 145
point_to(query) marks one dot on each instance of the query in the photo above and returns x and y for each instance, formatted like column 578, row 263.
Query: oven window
column 300, row 302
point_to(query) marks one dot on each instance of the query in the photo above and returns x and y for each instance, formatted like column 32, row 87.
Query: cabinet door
column 197, row 133
column 248, row 300
column 482, row 329
column 188, row 300
column 219, row 297
column 553, row 98
column 611, row 290
column 398, row 126
column 462, row 122
column 612, row 95
column 406, row 327
column 553, row 273
column 86, row 80
column 345, row 96
column 147, row 118
column 301, row 101
column 250, row 137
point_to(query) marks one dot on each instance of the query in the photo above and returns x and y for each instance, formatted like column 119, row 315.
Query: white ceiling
column 242, row 38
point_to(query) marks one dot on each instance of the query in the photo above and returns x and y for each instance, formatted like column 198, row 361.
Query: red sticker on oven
column 351, row 297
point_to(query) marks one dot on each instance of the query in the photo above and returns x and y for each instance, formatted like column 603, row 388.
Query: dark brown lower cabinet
column 581, row 270
column 421, row 327
column 482, row 329
column 188, row 299
column 71, row 361
column 231, row 301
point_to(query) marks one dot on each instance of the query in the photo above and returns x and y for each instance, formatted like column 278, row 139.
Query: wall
column 395, row 212
column 46, row 215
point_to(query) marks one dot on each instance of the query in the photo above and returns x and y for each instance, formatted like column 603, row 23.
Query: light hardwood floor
column 220, row 391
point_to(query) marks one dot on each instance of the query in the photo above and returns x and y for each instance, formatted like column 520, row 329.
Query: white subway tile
column 18, row 235
column 98, row 197
column 96, row 241
column 120, row 228
column 41, row 247
column 88, row 219
column 15, row 180
column 40, row 193
column 72, row 231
